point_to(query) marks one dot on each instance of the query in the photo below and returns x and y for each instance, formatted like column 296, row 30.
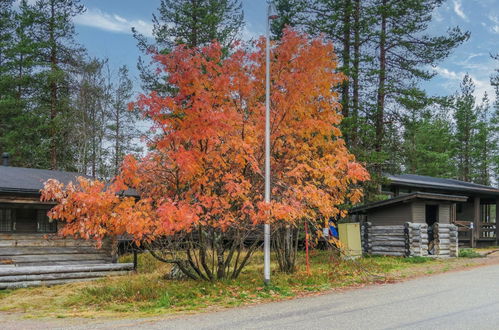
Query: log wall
column 49, row 249
column 446, row 240
column 384, row 240
column 409, row 239
column 417, row 239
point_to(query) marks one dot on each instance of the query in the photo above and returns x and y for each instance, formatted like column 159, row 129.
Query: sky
column 105, row 30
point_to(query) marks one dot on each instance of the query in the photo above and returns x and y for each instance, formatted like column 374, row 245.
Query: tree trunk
column 355, row 74
column 345, row 88
column 381, row 93
column 53, row 89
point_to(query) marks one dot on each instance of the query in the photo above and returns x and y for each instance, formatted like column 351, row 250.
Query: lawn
column 147, row 292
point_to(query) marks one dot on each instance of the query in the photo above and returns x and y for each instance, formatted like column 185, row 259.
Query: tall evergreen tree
column 58, row 54
column 466, row 123
column 7, row 92
column 121, row 131
column 188, row 22
column 428, row 146
column 494, row 123
column 483, row 148
column 25, row 134
column 90, row 107
column 404, row 51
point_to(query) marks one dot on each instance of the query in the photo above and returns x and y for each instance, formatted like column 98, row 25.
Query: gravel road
column 456, row 300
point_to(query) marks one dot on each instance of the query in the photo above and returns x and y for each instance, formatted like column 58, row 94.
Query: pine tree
column 482, row 148
column 91, row 103
column 7, row 92
column 291, row 13
column 188, row 22
column 23, row 132
column 121, row 131
column 404, row 52
column 494, row 125
column 428, row 146
column 466, row 123
column 58, row 53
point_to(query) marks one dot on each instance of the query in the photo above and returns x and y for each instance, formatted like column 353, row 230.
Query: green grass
column 148, row 293
column 469, row 253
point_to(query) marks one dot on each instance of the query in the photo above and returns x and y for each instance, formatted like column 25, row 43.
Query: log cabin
column 31, row 252
column 417, row 200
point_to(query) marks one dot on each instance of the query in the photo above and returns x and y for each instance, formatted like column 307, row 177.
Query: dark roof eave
column 404, row 198
column 453, row 185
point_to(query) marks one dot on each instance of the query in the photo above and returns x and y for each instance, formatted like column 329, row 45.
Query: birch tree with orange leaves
column 201, row 185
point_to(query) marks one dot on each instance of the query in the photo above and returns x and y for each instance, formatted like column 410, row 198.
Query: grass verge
column 147, row 293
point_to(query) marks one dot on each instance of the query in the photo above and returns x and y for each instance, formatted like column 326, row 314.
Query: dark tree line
column 59, row 108
column 390, row 123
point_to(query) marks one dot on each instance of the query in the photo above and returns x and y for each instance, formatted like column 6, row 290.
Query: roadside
column 147, row 294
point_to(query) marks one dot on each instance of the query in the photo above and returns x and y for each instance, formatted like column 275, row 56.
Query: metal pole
column 266, row 238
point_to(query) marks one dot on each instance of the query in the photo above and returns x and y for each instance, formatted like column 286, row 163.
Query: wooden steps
column 21, row 277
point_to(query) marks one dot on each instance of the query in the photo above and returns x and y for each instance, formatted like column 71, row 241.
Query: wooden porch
column 481, row 230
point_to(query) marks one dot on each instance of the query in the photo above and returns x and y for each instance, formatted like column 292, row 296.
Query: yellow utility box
column 350, row 239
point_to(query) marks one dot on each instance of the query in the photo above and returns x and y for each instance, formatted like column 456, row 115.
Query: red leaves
column 205, row 167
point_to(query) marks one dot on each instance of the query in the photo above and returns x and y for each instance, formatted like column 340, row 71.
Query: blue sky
column 104, row 29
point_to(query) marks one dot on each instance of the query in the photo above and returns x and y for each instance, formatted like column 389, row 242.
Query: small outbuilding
column 437, row 209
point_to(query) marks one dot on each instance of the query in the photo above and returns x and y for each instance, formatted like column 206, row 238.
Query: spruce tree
column 405, row 51
column 482, row 148
column 58, row 54
column 494, row 124
column 192, row 23
column 23, row 132
column 466, row 123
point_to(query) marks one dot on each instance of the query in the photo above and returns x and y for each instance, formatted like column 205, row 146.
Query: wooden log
column 36, row 243
column 17, row 285
column 47, row 259
column 387, row 233
column 392, row 243
column 388, row 227
column 388, row 249
column 387, row 238
column 393, row 254
column 24, row 250
column 64, row 269
column 64, row 263
column 58, row 276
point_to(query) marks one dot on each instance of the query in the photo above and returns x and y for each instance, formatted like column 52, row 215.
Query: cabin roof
column 423, row 181
column 409, row 197
column 22, row 180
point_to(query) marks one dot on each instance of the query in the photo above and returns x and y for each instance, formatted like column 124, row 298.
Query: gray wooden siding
column 444, row 213
column 394, row 215
column 418, row 212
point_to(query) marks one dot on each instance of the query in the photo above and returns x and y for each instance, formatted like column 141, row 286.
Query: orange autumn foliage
column 205, row 167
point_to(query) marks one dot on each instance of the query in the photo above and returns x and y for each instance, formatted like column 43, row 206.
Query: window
column 5, row 220
column 44, row 224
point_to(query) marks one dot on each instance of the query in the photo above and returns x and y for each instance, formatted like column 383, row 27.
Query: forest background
column 63, row 103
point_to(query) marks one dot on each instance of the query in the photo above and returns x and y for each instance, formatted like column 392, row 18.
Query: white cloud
column 96, row 18
column 495, row 27
column 447, row 73
column 458, row 10
column 481, row 81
